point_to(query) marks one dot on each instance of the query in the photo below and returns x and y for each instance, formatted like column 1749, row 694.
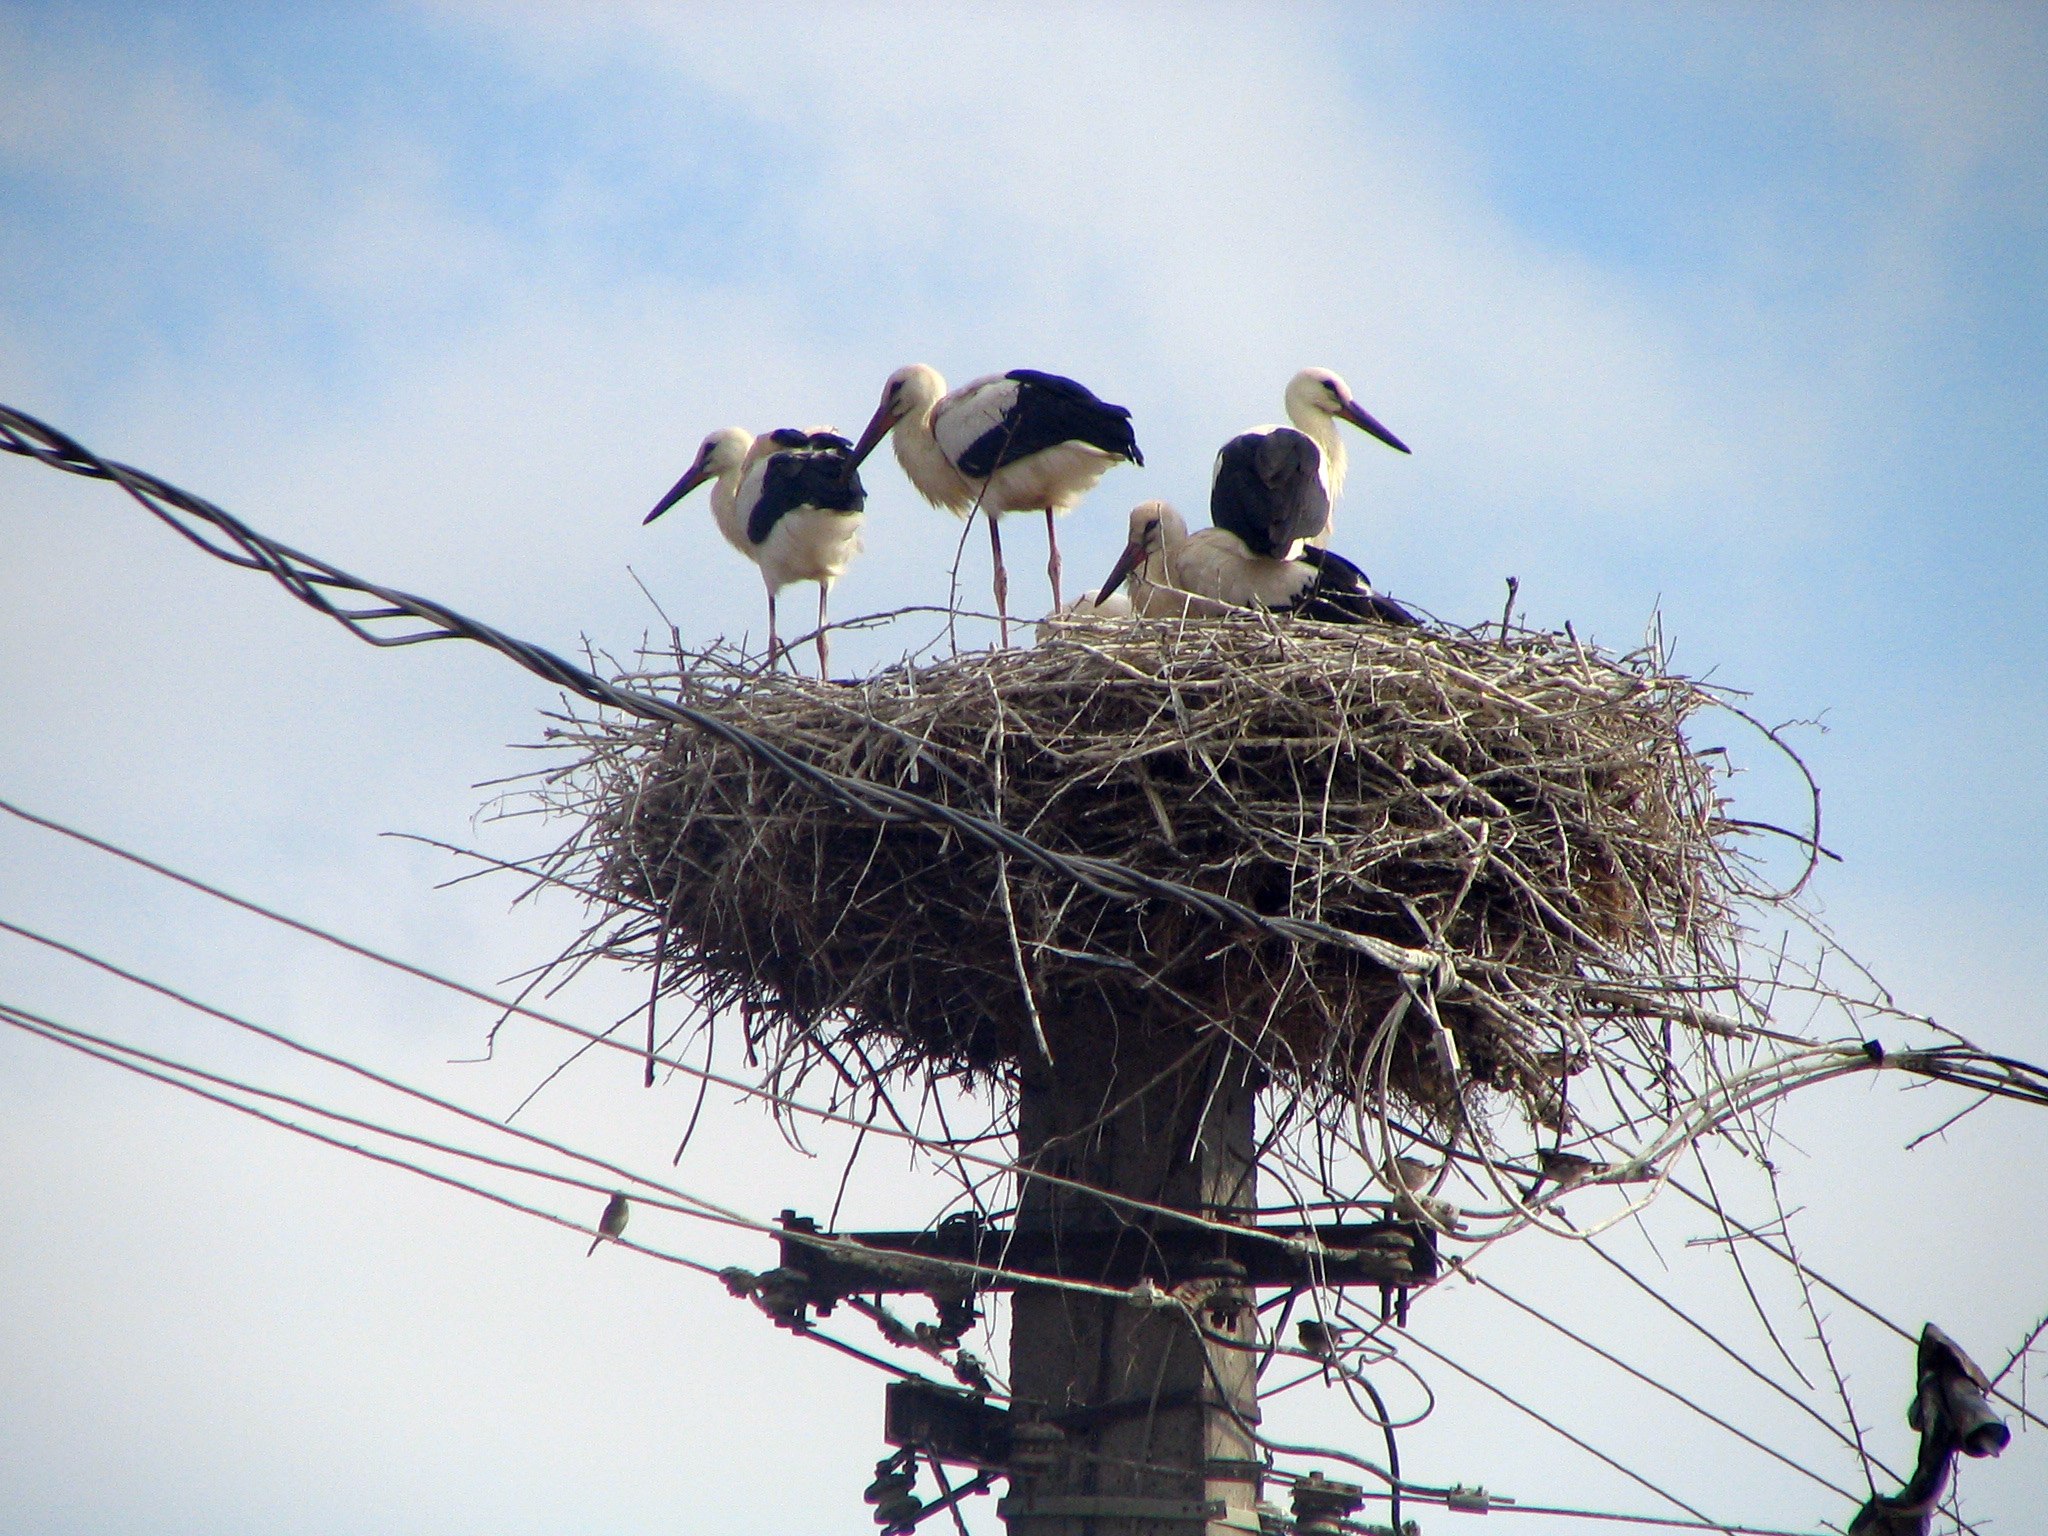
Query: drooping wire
column 1765, row 1243
column 1723, row 1346
column 117, row 1056
column 315, row 582
column 1001, row 1166
column 690, row 1205
column 1555, row 1428
column 1672, row 1392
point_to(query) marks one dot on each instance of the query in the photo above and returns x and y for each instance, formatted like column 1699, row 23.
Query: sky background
column 1737, row 315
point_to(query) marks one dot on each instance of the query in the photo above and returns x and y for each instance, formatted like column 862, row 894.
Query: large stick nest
column 1526, row 808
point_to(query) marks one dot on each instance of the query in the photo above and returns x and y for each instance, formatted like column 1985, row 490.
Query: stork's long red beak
column 877, row 429
column 1126, row 563
column 1361, row 418
column 697, row 475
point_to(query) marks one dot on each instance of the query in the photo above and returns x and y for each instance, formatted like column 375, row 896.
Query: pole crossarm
column 1394, row 1254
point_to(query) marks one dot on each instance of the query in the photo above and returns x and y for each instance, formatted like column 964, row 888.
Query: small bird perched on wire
column 1319, row 1338
column 971, row 1373
column 612, row 1222
column 1324, row 1341
column 1409, row 1179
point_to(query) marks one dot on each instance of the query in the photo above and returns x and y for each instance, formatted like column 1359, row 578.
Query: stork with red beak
column 790, row 500
column 1021, row 441
column 1175, row 574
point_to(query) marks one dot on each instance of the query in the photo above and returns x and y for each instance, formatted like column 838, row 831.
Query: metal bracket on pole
column 1207, row 1512
column 952, row 1426
column 1392, row 1254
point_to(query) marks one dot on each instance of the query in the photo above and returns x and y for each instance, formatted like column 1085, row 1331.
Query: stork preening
column 1173, row 573
column 1316, row 401
column 1021, row 441
column 790, row 500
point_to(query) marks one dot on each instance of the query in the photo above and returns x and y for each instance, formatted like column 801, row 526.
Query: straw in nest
column 1525, row 810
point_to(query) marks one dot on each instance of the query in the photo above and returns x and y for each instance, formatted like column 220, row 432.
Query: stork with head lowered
column 790, row 500
column 1176, row 574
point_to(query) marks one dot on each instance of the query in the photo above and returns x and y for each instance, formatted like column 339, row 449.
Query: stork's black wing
column 822, row 477
column 1269, row 491
column 1050, row 410
column 1342, row 594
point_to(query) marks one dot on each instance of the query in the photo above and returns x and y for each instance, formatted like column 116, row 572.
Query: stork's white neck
column 725, row 492
column 924, row 462
column 1321, row 428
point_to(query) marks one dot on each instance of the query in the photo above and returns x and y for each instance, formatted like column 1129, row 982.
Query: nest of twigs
column 1522, row 813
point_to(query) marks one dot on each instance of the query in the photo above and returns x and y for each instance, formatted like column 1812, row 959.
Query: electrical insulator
column 1321, row 1506
column 893, row 1479
column 899, row 1514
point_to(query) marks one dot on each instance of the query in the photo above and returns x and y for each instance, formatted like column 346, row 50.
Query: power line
column 311, row 580
column 1649, row 1380
column 1828, row 1285
column 277, row 1037
column 694, row 1206
column 1306, row 1246
column 1557, row 1429
column 1517, row 1507
column 87, row 1045
column 1727, row 1349
column 42, row 1023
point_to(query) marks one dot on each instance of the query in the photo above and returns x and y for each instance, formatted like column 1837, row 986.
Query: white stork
column 1174, row 574
column 1089, row 606
column 1317, row 400
column 1021, row 441
column 790, row 501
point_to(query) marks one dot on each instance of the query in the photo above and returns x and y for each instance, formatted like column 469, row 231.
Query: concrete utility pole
column 1125, row 1420
column 1153, row 1419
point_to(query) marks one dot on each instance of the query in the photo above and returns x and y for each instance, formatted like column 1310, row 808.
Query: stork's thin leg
column 995, row 540
column 1052, row 564
column 824, row 657
column 774, row 642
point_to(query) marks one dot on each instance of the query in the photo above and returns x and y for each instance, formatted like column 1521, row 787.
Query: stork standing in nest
column 1316, row 401
column 1021, row 441
column 1175, row 574
column 790, row 500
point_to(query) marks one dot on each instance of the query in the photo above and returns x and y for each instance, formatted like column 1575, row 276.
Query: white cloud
column 1181, row 213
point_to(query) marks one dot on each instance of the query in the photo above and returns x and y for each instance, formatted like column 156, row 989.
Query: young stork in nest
column 1316, row 401
column 1175, row 574
column 790, row 500
column 1021, row 441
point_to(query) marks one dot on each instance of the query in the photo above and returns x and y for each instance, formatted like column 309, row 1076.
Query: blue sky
column 1735, row 314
